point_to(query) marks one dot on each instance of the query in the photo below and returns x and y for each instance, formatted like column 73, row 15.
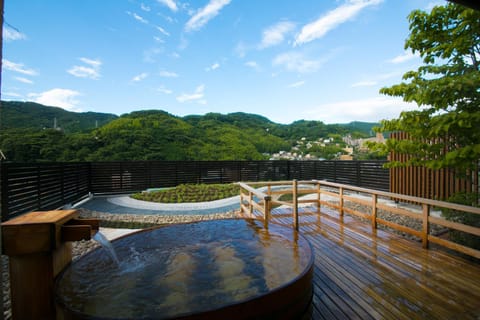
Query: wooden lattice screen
column 428, row 183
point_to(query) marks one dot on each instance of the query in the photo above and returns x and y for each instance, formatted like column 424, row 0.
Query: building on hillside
column 348, row 150
column 379, row 138
column 346, row 157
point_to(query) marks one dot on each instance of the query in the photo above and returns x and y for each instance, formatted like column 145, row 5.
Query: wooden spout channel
column 38, row 246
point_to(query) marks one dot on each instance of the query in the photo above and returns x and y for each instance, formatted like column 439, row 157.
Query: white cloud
column 137, row 17
column 170, row 4
column 150, row 55
column 24, row 80
column 370, row 109
column 83, row 72
column 91, row 62
column 140, row 18
column 241, row 50
column 197, row 96
column 17, row 67
column 168, row 74
column 203, row 15
column 163, row 31
column 214, row 66
column 365, row 84
column 63, row 98
column 374, row 80
column 144, row 7
column 408, row 55
column 254, row 65
column 296, row 84
column 164, row 90
column 275, row 34
column 140, row 77
column 10, row 34
column 297, row 62
column 91, row 70
column 169, row 19
column 332, row 19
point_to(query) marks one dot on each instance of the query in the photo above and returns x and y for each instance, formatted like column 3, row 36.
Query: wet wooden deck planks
column 365, row 274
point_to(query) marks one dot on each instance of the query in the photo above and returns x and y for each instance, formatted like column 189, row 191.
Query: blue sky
column 283, row 59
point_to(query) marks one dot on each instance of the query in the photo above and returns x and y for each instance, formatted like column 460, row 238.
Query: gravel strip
column 415, row 224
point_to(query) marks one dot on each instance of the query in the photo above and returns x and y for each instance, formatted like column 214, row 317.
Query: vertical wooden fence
column 46, row 186
column 427, row 183
column 117, row 177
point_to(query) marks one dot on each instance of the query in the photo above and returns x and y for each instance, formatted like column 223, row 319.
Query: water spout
column 107, row 245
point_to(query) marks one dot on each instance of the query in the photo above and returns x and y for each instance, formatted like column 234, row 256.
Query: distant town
column 346, row 148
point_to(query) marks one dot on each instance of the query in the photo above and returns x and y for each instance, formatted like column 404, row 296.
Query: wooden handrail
column 254, row 191
column 267, row 202
column 341, row 192
column 435, row 203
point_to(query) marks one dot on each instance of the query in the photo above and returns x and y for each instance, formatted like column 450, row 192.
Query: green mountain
column 27, row 135
column 30, row 115
column 363, row 127
column 157, row 135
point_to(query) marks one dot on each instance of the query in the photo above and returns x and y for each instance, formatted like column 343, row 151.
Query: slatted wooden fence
column 117, row 177
column 427, row 183
column 29, row 187
column 45, row 186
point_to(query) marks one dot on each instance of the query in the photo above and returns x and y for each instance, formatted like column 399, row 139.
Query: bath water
column 182, row 269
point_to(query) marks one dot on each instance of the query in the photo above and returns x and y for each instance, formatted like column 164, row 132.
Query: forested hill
column 31, row 115
column 28, row 136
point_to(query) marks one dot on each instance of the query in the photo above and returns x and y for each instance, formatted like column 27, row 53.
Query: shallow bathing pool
column 219, row 269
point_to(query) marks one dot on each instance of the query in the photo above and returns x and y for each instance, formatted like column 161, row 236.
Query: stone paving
column 126, row 201
column 123, row 204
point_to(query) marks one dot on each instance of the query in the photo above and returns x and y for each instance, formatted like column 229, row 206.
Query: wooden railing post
column 340, row 200
column 425, row 225
column 241, row 200
column 295, row 203
column 266, row 210
column 374, row 211
column 318, row 197
column 250, row 204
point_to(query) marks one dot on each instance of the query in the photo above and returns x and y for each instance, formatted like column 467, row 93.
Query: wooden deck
column 365, row 274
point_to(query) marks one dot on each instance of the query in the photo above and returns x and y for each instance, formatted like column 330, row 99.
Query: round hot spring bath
column 219, row 269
